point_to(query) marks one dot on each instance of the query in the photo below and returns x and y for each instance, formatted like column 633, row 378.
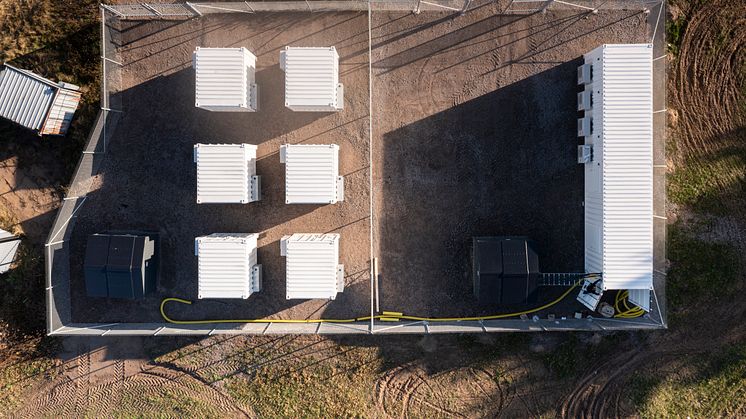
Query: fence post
column 417, row 8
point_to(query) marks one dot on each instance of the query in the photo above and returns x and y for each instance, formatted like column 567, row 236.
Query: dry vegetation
column 695, row 369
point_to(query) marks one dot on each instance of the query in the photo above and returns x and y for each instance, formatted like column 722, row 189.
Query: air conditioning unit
column 585, row 153
column 584, row 74
column 584, row 100
column 584, row 126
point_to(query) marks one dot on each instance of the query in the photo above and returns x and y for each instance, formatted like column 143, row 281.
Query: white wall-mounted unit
column 312, row 79
column 35, row 102
column 312, row 174
column 227, row 265
column 226, row 173
column 585, row 73
column 8, row 248
column 313, row 269
column 619, row 181
column 225, row 80
column 585, row 153
column 585, row 99
column 585, row 126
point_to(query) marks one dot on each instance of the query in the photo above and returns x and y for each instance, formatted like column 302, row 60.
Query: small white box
column 313, row 269
column 585, row 126
column 225, row 79
column 226, row 173
column 312, row 174
column 585, row 74
column 585, row 99
column 227, row 265
column 312, row 79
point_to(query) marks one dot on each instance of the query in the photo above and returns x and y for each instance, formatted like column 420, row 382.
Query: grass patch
column 335, row 383
column 717, row 389
column 675, row 33
column 704, row 184
column 700, row 271
column 165, row 403
column 17, row 378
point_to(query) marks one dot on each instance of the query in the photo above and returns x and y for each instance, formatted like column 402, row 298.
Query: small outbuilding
column 8, row 248
column 225, row 80
column 312, row 174
column 37, row 103
column 617, row 129
column 312, row 79
column 227, row 265
column 313, row 269
column 226, row 173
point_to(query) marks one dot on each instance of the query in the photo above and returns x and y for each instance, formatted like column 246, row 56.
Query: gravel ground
column 473, row 134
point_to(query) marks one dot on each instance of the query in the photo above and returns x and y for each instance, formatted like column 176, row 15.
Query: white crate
column 227, row 265
column 313, row 269
column 312, row 79
column 225, row 79
column 226, row 173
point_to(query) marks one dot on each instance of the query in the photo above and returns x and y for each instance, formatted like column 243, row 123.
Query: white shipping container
column 227, row 265
column 8, row 249
column 226, row 173
column 225, row 79
column 35, row 102
column 619, row 180
column 312, row 174
column 313, row 269
column 312, row 79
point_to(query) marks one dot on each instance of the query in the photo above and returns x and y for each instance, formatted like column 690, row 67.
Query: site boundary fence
column 187, row 10
column 87, row 173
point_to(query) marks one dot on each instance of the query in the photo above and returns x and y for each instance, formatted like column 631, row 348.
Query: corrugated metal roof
column 225, row 261
column 311, row 173
column 311, row 78
column 312, row 265
column 224, row 78
column 8, row 248
column 24, row 97
column 619, row 228
column 35, row 102
column 224, row 172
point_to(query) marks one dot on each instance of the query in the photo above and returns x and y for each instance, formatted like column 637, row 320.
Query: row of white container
column 228, row 266
column 226, row 173
column 225, row 79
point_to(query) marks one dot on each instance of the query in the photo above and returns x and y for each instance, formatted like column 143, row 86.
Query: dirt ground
column 467, row 142
column 148, row 179
column 475, row 135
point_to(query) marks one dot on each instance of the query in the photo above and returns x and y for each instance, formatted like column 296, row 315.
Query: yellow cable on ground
column 622, row 297
column 388, row 316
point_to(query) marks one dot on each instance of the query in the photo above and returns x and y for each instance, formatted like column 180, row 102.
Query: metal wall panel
column 224, row 79
column 224, row 265
column 8, row 248
column 224, row 172
column 623, row 136
column 24, row 97
column 312, row 264
column 311, row 79
column 311, row 173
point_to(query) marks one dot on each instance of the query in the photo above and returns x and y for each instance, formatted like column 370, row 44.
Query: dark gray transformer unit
column 120, row 265
column 505, row 270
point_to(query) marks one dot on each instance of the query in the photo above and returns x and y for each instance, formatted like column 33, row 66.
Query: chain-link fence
column 144, row 11
column 58, row 251
column 194, row 9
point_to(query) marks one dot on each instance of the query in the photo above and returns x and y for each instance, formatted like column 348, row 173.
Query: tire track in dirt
column 408, row 391
column 708, row 77
column 136, row 393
